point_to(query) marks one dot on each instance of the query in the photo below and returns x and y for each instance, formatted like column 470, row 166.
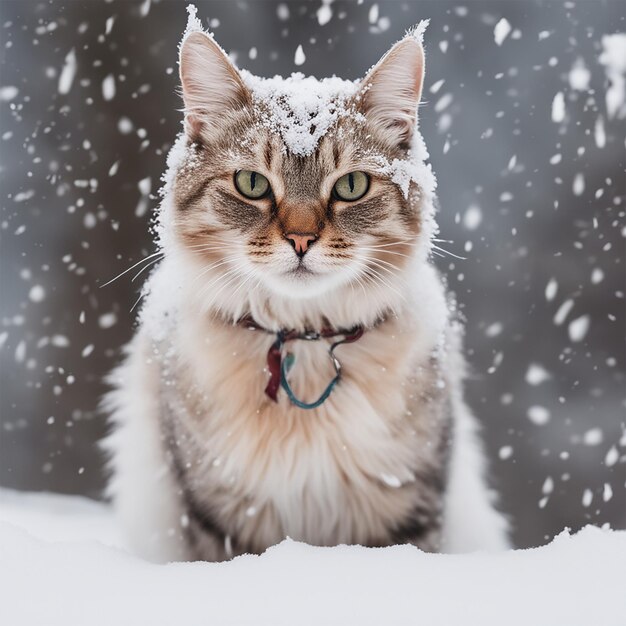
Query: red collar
column 275, row 363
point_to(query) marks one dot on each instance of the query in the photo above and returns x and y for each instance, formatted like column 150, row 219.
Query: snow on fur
column 293, row 105
column 301, row 109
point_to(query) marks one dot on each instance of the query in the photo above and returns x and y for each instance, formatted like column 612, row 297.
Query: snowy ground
column 61, row 565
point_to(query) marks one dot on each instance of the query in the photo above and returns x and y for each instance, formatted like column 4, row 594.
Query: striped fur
column 205, row 466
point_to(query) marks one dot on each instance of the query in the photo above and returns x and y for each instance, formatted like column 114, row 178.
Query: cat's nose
column 301, row 242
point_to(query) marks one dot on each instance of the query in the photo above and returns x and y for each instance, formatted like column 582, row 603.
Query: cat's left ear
column 391, row 91
column 211, row 85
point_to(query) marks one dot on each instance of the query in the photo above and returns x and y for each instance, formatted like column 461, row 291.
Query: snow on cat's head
column 297, row 186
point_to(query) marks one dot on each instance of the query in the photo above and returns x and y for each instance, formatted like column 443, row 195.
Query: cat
column 297, row 370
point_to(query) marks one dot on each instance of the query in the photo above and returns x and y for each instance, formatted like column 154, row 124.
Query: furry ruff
column 203, row 464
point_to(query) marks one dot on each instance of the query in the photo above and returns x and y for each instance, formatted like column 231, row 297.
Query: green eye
column 251, row 184
column 352, row 186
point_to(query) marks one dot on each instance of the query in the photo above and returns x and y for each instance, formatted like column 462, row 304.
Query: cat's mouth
column 300, row 272
column 303, row 281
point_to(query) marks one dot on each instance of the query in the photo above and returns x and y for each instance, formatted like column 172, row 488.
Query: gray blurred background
column 532, row 194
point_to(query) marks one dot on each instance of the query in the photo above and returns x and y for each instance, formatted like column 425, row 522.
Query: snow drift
column 62, row 564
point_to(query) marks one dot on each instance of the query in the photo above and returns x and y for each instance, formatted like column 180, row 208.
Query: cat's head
column 297, row 186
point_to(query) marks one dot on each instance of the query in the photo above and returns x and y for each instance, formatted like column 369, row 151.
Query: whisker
column 234, row 277
column 141, row 295
column 366, row 258
column 408, row 256
column 132, row 267
column 250, row 275
column 400, row 242
column 360, row 283
column 381, row 280
column 213, row 266
column 217, row 280
column 206, row 246
column 373, row 262
column 388, row 285
column 394, row 271
column 456, row 256
column 145, row 267
column 369, row 271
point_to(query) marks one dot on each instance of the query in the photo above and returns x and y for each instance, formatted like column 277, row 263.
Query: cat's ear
column 211, row 85
column 391, row 91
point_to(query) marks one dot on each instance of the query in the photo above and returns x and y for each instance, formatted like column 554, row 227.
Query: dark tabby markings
column 268, row 155
column 363, row 216
column 259, row 247
column 261, row 242
column 410, row 218
column 203, row 521
column 340, row 244
column 201, row 518
column 187, row 202
column 236, row 213
column 422, row 527
column 206, row 231
column 421, row 523
column 196, row 236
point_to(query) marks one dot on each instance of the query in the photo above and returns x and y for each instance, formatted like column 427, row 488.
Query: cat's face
column 286, row 184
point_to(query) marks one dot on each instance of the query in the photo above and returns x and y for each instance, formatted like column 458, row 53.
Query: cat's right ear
column 211, row 85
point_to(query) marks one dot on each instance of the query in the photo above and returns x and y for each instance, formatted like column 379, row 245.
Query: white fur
column 145, row 496
column 318, row 479
column 471, row 522
column 141, row 486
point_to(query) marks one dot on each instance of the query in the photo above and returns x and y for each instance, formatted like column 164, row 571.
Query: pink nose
column 301, row 242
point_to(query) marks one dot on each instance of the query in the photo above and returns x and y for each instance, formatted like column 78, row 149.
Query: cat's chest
column 325, row 477
column 230, row 368
column 338, row 472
